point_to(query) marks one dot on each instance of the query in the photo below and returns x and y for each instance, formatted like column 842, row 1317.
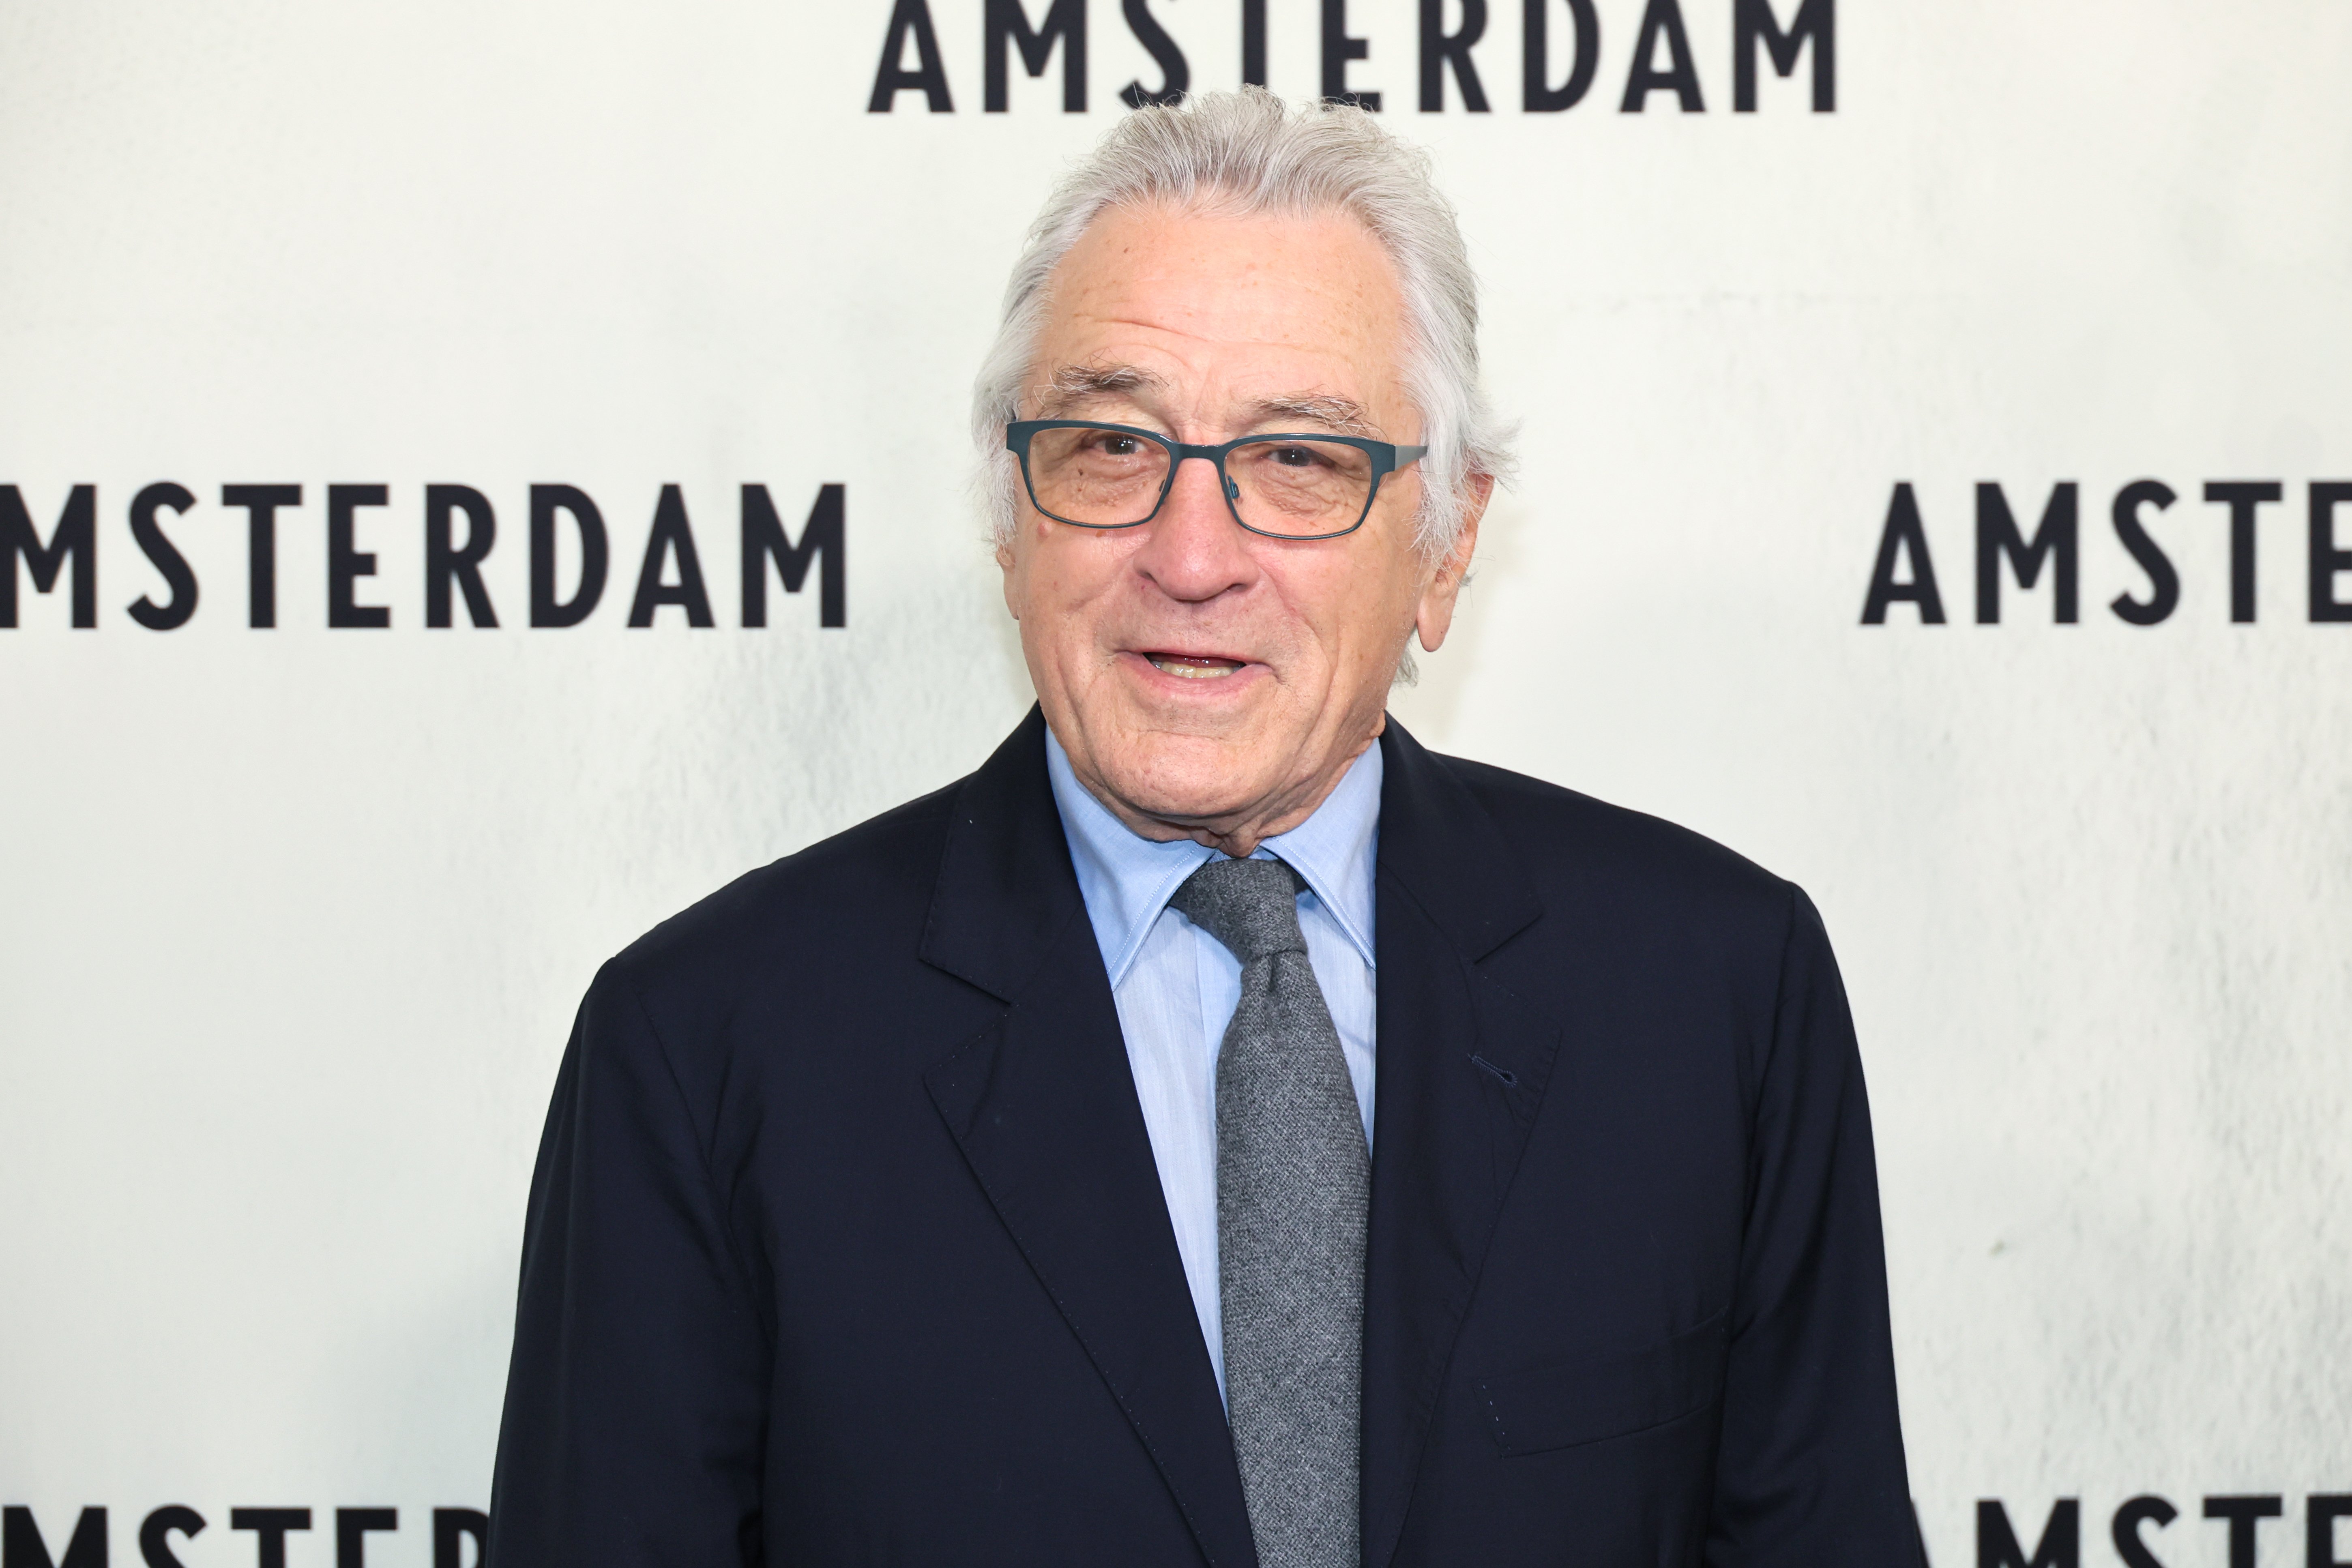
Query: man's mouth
column 1193, row 667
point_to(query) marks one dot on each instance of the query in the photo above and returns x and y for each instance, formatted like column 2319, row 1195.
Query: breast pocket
column 1550, row 1408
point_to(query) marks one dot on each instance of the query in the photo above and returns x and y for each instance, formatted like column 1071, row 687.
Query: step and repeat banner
column 474, row 476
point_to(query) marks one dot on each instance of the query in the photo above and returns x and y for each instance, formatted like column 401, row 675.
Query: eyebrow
column 1072, row 385
column 1344, row 414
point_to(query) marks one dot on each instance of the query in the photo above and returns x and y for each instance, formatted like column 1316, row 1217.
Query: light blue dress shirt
column 1177, row 986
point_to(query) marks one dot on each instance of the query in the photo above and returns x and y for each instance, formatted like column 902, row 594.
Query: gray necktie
column 1294, row 1181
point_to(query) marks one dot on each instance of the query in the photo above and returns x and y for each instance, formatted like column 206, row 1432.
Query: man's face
column 1205, row 680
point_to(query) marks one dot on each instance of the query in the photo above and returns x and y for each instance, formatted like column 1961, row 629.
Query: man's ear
column 1435, row 615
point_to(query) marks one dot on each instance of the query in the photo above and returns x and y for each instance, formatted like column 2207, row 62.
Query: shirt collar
column 1127, row 879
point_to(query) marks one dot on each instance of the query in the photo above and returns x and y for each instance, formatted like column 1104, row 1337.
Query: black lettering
column 2243, row 496
column 1997, row 535
column 1752, row 23
column 269, row 1526
column 1903, row 536
column 671, row 535
column 1066, row 23
column 1440, row 48
column 2327, row 557
column 2164, row 583
column 261, row 504
column 21, row 1545
column 1663, row 19
column 451, row 1527
column 446, row 562
column 76, row 537
column 892, row 78
column 1338, row 49
column 2061, row 1538
column 351, row 1527
column 165, row 556
column 821, row 538
column 546, row 609
column 2321, row 1512
column 156, row 1534
column 2245, row 1515
column 1175, row 76
column 2126, row 1528
column 1254, row 43
column 346, row 563
column 1539, row 97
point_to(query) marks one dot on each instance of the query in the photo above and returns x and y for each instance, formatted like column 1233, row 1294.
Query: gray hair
column 1246, row 153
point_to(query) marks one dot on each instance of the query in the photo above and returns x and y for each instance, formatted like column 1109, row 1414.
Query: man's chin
column 1188, row 779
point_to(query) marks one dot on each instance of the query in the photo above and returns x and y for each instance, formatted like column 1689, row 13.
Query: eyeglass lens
column 1110, row 479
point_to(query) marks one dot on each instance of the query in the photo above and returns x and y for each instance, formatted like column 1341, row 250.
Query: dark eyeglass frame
column 1386, row 458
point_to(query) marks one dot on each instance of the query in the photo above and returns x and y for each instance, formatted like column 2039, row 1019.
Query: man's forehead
column 1184, row 314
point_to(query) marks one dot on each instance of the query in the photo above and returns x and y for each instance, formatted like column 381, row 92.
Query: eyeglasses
column 1283, row 485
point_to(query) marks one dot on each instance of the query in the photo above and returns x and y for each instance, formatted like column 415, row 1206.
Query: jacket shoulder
column 1650, row 932
column 1568, row 841
column 861, row 890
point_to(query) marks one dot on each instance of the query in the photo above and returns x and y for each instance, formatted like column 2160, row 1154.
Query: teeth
column 1192, row 671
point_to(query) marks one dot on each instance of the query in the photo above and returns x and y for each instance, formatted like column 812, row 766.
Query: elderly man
column 1218, row 1131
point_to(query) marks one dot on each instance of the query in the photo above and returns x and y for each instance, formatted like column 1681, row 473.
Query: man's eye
column 1118, row 445
column 1293, row 457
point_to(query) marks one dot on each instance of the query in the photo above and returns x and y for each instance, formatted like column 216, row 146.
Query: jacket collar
column 1443, row 848
column 1463, row 1064
column 1006, row 888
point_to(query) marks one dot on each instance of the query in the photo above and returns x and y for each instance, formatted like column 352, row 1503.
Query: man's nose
column 1195, row 551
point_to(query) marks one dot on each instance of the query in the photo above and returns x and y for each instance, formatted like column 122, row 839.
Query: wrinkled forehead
column 1207, row 306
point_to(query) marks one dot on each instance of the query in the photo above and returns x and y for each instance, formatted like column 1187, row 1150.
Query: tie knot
column 1251, row 906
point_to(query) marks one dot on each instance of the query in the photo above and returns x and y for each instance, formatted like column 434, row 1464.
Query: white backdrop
column 292, row 921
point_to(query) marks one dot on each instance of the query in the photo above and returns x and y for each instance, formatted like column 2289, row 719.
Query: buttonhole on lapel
column 1508, row 1079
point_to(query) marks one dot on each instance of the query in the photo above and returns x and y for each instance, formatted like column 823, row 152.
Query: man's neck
column 1239, row 833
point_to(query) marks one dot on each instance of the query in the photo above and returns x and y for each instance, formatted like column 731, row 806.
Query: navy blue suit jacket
column 845, row 1244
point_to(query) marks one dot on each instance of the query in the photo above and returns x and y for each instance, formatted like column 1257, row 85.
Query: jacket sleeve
column 1810, row 1473
column 635, row 1402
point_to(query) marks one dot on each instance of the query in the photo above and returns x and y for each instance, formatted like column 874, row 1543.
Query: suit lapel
column 1448, row 1130
column 1043, row 1106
